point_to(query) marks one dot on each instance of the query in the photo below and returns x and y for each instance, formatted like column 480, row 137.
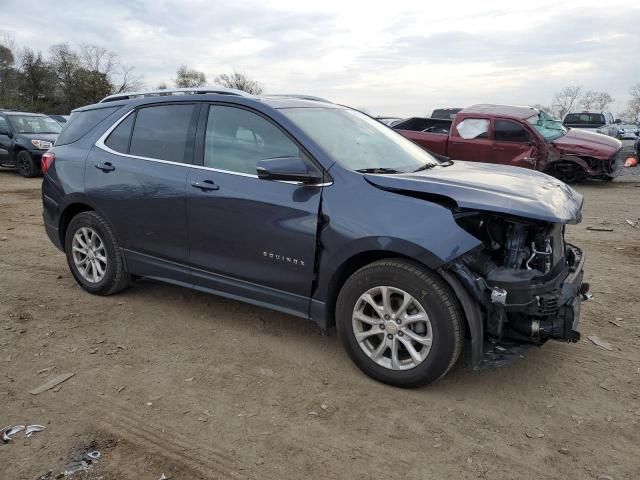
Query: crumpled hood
column 582, row 142
column 495, row 188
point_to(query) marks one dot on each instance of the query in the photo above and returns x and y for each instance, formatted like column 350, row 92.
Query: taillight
column 47, row 161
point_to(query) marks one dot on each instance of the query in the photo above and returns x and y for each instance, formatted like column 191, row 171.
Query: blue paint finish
column 497, row 188
column 278, row 244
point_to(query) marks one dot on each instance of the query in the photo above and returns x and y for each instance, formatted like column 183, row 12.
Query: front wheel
column 400, row 323
column 26, row 164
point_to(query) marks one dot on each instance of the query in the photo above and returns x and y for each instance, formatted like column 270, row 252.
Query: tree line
column 67, row 77
column 575, row 97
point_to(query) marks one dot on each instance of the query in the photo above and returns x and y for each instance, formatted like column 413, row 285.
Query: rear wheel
column 26, row 164
column 399, row 323
column 94, row 256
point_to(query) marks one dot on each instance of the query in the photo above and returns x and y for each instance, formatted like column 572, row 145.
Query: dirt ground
column 175, row 382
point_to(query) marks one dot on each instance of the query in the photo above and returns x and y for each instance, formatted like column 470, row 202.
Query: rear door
column 469, row 140
column 250, row 237
column 512, row 145
column 5, row 141
column 136, row 176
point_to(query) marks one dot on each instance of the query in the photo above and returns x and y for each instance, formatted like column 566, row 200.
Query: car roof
column 12, row 112
column 274, row 101
column 512, row 111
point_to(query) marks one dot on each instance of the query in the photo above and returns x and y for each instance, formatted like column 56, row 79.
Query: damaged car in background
column 518, row 136
column 318, row 211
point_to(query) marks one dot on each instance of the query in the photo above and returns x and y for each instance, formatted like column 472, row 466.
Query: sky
column 390, row 58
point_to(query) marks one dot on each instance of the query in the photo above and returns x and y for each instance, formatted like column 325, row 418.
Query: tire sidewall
column 443, row 348
column 25, row 157
column 90, row 220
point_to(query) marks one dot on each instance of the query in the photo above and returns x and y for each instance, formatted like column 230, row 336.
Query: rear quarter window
column 81, row 122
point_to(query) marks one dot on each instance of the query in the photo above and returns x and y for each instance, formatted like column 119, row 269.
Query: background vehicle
column 521, row 137
column 24, row 137
column 389, row 121
column 445, row 113
column 628, row 131
column 270, row 200
column 61, row 119
column 598, row 122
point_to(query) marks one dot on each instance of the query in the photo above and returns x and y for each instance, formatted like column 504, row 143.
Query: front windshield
column 359, row 142
column 34, row 124
column 549, row 128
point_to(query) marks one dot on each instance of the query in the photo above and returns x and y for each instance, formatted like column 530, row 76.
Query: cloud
column 403, row 59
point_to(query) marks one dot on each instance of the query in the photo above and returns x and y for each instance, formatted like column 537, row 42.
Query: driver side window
column 471, row 128
column 237, row 139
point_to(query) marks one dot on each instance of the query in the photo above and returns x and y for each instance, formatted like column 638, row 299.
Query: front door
column 248, row 237
column 136, row 177
column 512, row 145
column 470, row 141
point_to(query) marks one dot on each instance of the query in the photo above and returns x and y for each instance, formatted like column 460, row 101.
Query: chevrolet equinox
column 317, row 210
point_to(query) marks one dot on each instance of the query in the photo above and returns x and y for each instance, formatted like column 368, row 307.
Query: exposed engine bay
column 526, row 279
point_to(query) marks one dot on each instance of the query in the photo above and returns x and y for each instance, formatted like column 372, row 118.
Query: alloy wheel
column 89, row 254
column 392, row 328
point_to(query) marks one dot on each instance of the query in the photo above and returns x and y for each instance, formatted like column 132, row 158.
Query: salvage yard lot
column 178, row 382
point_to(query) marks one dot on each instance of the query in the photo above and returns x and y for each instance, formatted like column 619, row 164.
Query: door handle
column 456, row 143
column 498, row 148
column 105, row 167
column 205, row 185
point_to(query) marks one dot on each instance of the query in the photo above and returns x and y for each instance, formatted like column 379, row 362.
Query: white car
column 599, row 122
column 628, row 131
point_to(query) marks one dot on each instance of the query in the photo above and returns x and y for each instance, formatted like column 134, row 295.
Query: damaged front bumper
column 518, row 311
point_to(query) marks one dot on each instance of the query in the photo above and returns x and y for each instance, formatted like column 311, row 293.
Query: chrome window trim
column 102, row 146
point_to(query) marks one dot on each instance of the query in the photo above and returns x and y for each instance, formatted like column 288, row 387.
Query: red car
column 518, row 136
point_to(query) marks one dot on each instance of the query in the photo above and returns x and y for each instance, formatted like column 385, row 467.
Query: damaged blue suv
column 319, row 211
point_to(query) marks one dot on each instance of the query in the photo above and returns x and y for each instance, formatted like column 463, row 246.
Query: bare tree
column 189, row 78
column 239, row 81
column 7, row 70
column 36, row 76
column 128, row 81
column 633, row 105
column 602, row 101
column 588, row 99
column 162, row 86
column 566, row 99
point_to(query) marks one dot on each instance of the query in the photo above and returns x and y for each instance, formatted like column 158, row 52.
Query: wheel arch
column 68, row 213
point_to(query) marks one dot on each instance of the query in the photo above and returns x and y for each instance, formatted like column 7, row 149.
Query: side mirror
column 5, row 131
column 618, row 121
column 292, row 169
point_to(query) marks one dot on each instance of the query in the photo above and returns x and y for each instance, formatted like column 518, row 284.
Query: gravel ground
column 178, row 382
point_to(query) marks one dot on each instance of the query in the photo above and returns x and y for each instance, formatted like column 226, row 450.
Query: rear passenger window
column 506, row 131
column 81, row 122
column 119, row 138
column 471, row 128
column 236, row 140
column 163, row 132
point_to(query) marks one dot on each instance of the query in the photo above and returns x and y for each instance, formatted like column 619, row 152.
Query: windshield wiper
column 377, row 170
column 426, row 166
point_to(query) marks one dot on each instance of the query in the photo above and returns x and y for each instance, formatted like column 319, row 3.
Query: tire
column 430, row 296
column 111, row 276
column 26, row 165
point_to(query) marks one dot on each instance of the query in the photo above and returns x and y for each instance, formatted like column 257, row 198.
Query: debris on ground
column 632, row 223
column 615, row 322
column 33, row 429
column 10, row 431
column 596, row 340
column 81, row 463
column 52, row 383
column 600, row 229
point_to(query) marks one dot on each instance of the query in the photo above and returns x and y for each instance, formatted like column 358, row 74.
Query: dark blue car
column 318, row 211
